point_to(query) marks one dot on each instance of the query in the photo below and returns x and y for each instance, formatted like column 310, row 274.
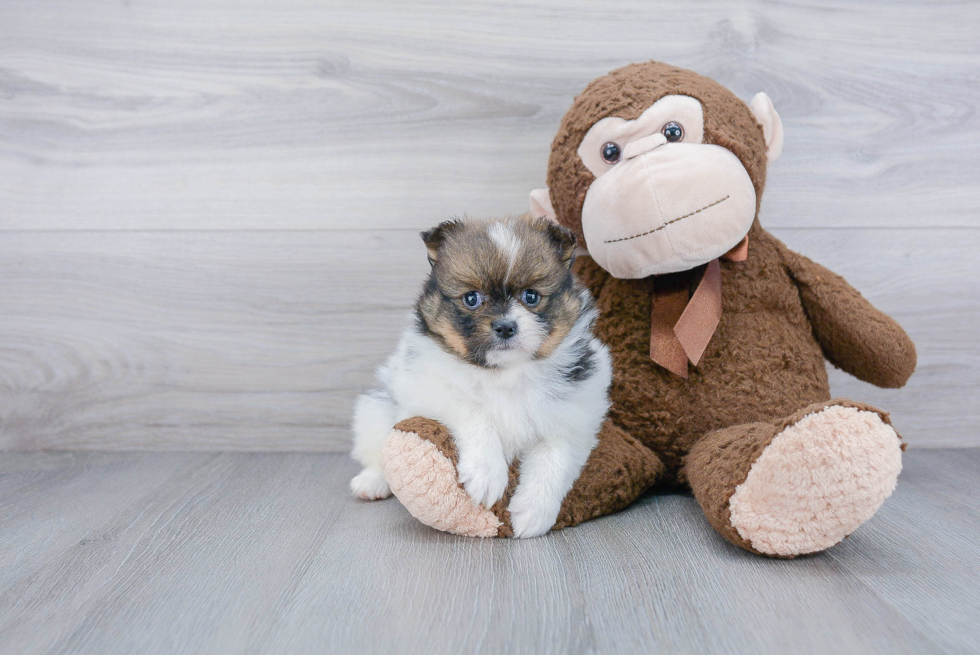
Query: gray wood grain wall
column 208, row 209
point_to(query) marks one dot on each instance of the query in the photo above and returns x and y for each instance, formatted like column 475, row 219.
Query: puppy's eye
column 530, row 297
column 673, row 131
column 472, row 299
column 611, row 153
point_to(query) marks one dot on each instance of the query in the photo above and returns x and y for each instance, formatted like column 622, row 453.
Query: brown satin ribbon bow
column 681, row 323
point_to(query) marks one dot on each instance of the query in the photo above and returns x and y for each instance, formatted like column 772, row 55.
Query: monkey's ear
column 564, row 240
column 541, row 205
column 435, row 237
column 772, row 126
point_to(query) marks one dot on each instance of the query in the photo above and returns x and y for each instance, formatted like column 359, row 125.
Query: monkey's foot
column 419, row 461
column 799, row 485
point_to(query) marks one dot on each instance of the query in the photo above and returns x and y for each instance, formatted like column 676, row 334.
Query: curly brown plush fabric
column 764, row 360
column 619, row 470
column 870, row 346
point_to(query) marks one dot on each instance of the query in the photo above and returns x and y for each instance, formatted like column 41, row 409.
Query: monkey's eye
column 472, row 299
column 611, row 153
column 673, row 131
column 530, row 297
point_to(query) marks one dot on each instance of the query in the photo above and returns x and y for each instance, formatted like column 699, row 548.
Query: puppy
column 501, row 352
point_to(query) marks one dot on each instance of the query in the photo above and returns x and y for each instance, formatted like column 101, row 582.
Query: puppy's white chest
column 513, row 407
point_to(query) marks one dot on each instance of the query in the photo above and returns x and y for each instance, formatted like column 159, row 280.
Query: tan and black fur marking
column 466, row 257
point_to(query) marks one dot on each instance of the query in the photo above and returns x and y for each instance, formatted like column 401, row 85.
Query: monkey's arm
column 853, row 335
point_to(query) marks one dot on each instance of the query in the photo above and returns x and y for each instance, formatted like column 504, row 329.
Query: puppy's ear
column 435, row 237
column 563, row 240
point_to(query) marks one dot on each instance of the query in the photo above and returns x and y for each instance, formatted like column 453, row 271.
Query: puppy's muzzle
column 504, row 328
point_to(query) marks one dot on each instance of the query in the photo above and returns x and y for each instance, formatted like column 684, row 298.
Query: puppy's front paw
column 484, row 477
column 370, row 484
column 530, row 517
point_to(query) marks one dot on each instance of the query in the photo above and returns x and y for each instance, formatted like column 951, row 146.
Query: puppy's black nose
column 505, row 329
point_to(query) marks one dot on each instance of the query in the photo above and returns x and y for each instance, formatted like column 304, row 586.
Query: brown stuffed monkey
column 718, row 332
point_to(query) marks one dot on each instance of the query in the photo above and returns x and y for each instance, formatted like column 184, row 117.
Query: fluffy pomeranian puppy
column 501, row 352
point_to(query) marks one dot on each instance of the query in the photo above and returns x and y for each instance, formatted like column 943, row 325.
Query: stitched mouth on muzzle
column 670, row 222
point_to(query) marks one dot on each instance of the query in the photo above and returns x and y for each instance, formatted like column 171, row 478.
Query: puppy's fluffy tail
column 374, row 416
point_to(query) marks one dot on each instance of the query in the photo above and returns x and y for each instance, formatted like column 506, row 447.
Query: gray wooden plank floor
column 267, row 553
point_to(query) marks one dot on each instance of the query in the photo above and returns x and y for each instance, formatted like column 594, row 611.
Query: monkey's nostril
column 505, row 329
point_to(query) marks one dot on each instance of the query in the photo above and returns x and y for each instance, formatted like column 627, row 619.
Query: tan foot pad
column 425, row 482
column 817, row 481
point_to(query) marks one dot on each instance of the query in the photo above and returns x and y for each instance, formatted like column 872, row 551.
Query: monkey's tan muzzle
column 667, row 208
